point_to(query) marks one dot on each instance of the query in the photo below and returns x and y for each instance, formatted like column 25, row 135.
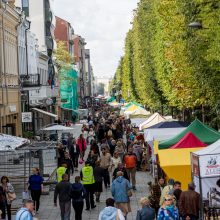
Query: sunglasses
column 168, row 199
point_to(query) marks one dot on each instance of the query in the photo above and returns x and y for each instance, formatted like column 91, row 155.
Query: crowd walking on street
column 116, row 152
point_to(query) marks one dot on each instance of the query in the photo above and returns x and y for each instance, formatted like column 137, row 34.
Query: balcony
column 32, row 80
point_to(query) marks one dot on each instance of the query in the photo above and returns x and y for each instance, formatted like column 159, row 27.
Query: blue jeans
column 65, row 208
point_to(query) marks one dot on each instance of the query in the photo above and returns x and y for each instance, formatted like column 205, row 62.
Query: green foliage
column 165, row 62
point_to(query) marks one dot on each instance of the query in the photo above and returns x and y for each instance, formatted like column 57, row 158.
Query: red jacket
column 82, row 144
column 130, row 160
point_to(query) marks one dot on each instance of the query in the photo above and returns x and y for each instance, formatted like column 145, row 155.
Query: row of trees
column 169, row 66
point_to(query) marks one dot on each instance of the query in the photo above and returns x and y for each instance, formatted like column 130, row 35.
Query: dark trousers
column 89, row 196
column 65, row 209
column 106, row 177
column 78, row 208
column 35, row 195
column 75, row 158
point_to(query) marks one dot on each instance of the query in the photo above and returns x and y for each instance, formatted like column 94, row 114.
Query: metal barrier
column 17, row 165
column 212, row 213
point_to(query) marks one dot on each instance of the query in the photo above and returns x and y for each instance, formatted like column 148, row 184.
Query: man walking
column 88, row 181
column 130, row 162
column 25, row 213
column 189, row 203
column 63, row 190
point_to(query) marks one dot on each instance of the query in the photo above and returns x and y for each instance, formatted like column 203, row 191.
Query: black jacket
column 63, row 190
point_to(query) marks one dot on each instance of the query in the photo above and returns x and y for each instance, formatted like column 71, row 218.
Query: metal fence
column 17, row 165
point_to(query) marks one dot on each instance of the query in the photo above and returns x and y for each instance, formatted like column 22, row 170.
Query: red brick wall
column 61, row 31
column 76, row 49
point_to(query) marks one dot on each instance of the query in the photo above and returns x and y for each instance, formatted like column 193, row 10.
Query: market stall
column 152, row 120
column 203, row 132
column 206, row 173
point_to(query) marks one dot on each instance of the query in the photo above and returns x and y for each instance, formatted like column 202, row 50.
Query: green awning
column 203, row 132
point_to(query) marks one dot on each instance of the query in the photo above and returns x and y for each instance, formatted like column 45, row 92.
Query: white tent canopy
column 160, row 134
column 211, row 149
column 141, row 112
column 57, row 128
column 137, row 121
column 9, row 142
column 206, row 172
column 152, row 120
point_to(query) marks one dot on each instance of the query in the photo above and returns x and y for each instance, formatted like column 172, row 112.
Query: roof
column 160, row 134
column 9, row 142
column 170, row 124
column 188, row 141
column 140, row 112
column 152, row 120
column 211, row 149
column 200, row 130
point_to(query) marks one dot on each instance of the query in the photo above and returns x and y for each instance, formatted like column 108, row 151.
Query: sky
column 103, row 24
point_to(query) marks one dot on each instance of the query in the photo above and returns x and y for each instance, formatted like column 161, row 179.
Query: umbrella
column 57, row 128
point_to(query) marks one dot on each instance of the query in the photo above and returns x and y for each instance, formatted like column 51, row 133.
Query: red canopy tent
column 188, row 141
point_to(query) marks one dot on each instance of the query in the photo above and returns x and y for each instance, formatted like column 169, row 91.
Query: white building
column 37, row 68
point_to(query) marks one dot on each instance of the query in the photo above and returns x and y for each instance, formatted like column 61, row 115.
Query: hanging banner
column 195, row 165
column 209, row 165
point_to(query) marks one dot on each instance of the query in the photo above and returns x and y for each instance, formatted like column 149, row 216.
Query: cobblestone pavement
column 47, row 210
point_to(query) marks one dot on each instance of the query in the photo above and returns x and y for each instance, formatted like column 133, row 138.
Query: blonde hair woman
column 168, row 211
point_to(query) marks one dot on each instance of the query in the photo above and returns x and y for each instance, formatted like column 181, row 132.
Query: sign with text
column 195, row 165
column 209, row 165
column 26, row 117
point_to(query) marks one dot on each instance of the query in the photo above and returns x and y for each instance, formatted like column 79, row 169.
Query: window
column 25, row 7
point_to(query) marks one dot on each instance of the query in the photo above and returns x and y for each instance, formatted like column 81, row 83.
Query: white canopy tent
column 57, row 128
column 137, row 121
column 9, row 142
column 152, row 120
column 206, row 171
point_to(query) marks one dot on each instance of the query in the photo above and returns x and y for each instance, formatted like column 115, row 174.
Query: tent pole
column 201, row 195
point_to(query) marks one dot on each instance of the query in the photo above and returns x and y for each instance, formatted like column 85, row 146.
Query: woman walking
column 78, row 195
column 9, row 195
column 35, row 183
column 168, row 211
column 81, row 142
column 98, row 175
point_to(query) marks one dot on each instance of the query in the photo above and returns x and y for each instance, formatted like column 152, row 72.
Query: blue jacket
column 108, row 213
column 24, row 214
column 146, row 213
column 35, row 182
column 120, row 187
column 78, row 192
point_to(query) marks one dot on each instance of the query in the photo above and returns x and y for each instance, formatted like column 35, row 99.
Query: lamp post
column 198, row 25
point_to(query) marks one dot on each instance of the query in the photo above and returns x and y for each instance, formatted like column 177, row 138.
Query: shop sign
column 210, row 165
column 26, row 117
column 12, row 108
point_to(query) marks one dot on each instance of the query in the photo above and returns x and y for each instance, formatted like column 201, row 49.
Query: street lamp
column 195, row 25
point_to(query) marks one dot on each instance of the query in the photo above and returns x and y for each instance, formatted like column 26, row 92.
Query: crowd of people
column 116, row 153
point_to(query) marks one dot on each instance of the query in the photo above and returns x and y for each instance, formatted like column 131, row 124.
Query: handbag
column 129, row 192
column 11, row 196
column 25, row 195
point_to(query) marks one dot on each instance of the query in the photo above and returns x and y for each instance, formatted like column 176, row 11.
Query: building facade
column 10, row 112
column 40, row 88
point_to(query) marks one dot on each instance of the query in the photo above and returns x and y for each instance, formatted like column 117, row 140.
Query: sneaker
column 93, row 207
column 87, row 209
